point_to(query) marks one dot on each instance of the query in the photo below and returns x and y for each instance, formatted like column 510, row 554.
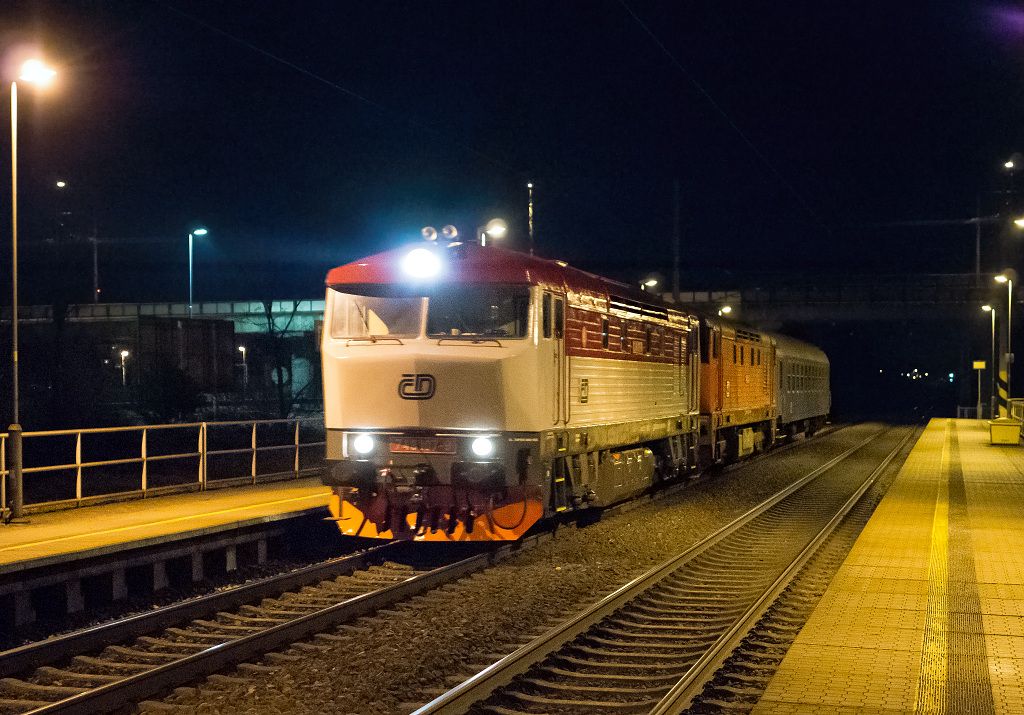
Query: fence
column 65, row 468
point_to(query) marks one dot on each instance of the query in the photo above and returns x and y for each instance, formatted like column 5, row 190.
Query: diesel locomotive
column 470, row 391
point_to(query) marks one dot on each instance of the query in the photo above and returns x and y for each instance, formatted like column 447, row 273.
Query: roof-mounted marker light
column 429, row 233
column 450, row 232
column 421, row 263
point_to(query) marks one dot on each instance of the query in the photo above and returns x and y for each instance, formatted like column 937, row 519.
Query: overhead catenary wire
column 340, row 88
column 725, row 116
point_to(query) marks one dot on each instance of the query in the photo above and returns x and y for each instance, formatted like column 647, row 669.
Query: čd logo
column 416, row 386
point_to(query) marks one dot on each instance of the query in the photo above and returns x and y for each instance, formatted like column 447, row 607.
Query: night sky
column 306, row 134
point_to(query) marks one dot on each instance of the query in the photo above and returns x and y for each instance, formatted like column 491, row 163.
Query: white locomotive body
column 470, row 391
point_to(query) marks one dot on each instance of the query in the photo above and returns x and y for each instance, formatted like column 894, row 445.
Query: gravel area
column 382, row 663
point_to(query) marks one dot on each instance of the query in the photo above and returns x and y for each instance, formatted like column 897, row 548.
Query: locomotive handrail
column 48, row 452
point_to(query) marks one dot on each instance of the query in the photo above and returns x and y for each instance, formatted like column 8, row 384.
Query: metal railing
column 74, row 467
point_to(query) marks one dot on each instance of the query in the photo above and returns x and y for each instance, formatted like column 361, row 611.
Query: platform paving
column 927, row 612
column 55, row 537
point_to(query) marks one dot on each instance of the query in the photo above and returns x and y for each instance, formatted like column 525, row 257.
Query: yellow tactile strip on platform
column 941, row 562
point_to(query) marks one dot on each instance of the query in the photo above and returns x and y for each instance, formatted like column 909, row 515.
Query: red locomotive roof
column 469, row 263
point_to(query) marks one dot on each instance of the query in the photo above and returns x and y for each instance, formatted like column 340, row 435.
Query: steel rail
column 51, row 650
column 460, row 698
column 681, row 696
column 217, row 656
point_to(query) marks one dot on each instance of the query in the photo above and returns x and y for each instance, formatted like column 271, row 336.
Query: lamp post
column 124, row 369
column 37, row 73
column 1008, row 280
column 245, row 368
column 495, row 228
column 992, row 366
column 196, row 232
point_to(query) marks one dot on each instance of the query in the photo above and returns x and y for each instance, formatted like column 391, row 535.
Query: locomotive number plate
column 423, row 445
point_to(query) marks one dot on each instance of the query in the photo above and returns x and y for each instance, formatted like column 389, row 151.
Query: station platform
column 927, row 612
column 53, row 538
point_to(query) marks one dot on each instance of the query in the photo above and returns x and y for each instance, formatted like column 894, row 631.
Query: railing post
column 202, row 456
column 296, row 447
column 3, row 475
column 253, row 468
column 145, row 475
column 78, row 466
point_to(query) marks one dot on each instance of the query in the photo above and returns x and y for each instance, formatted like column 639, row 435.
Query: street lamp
column 725, row 310
column 37, row 73
column 245, row 367
column 196, row 232
column 1008, row 280
column 992, row 369
column 495, row 228
column 124, row 370
column 649, row 283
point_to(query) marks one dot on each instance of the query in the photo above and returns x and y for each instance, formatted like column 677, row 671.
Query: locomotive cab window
column 356, row 316
column 604, row 333
column 478, row 311
column 559, row 318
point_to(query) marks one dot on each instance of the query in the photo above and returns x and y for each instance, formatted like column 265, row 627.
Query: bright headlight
column 482, row 446
column 363, row 444
column 421, row 263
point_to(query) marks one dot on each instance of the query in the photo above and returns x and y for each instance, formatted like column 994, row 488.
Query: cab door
column 553, row 337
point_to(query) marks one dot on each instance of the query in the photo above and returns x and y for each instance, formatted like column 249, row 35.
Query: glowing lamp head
column 363, row 444
column 61, row 184
column 725, row 310
column 987, row 308
column 482, row 446
column 125, row 353
column 200, row 232
column 650, row 282
column 35, row 72
column 496, row 228
column 1008, row 164
column 1019, row 222
column 1001, row 278
column 421, row 263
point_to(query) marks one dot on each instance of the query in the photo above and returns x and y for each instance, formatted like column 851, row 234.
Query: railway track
column 651, row 645
column 60, row 675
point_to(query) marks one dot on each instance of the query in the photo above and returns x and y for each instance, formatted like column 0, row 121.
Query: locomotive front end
column 426, row 395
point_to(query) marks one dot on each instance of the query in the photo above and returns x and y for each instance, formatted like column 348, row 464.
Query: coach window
column 604, row 333
column 559, row 317
column 545, row 315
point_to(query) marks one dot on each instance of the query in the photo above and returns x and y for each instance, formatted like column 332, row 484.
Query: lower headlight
column 363, row 444
column 482, row 446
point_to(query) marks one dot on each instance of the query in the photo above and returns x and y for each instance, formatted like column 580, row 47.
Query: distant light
column 363, row 444
column 1008, row 164
column 529, row 185
column 61, row 184
column 879, row 371
column 125, row 353
column 241, row 349
column 950, row 376
column 421, row 263
column 926, row 374
column 915, row 369
column 1018, row 222
column 496, row 228
column 1001, row 278
column 200, row 232
column 36, row 72
column 987, row 308
column 482, row 446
